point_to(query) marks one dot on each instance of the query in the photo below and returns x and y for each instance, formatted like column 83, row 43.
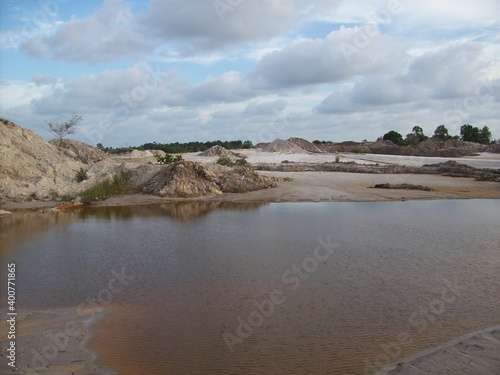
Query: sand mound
column 31, row 168
column 137, row 154
column 219, row 151
column 80, row 151
column 306, row 145
column 25, row 155
column 284, row 147
column 188, row 179
column 494, row 148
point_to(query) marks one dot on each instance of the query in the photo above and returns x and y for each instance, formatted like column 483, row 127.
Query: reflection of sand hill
column 182, row 211
column 13, row 228
column 291, row 146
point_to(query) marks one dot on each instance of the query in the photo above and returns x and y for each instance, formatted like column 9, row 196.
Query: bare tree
column 62, row 128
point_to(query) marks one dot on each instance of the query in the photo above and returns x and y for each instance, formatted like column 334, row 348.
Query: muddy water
column 211, row 288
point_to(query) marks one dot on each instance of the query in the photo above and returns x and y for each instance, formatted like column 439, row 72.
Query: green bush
column 225, row 160
column 241, row 162
column 81, row 175
column 117, row 185
column 168, row 159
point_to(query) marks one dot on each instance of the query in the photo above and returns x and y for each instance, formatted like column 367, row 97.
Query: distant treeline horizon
column 468, row 133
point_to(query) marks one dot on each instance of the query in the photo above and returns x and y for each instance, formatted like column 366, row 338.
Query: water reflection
column 181, row 211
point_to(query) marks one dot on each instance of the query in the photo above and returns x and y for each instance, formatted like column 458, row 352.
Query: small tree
column 395, row 137
column 62, row 129
column 484, row 135
column 441, row 133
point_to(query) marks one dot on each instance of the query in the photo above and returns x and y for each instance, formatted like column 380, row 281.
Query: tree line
column 468, row 133
column 178, row 148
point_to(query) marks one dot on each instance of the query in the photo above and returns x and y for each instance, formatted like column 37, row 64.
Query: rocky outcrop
column 188, row 179
column 402, row 187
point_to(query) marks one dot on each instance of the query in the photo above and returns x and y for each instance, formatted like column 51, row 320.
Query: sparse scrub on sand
column 225, row 160
column 81, row 175
column 168, row 159
column 117, row 185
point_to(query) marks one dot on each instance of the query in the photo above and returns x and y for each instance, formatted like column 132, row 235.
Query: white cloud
column 107, row 35
column 341, row 55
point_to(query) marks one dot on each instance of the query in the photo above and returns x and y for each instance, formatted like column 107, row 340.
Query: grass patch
column 81, row 175
column 118, row 184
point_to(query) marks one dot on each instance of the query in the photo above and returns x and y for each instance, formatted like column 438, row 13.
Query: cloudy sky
column 170, row 70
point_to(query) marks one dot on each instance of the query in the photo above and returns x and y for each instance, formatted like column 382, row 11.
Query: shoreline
column 313, row 186
column 55, row 342
column 478, row 351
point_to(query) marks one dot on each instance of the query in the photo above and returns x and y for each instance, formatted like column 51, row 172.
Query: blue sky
column 167, row 71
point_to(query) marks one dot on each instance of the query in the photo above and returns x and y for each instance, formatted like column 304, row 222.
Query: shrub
column 81, row 175
column 168, row 159
column 337, row 159
column 118, row 184
column 225, row 160
column 241, row 162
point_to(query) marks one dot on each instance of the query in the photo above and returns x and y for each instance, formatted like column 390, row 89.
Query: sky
column 198, row 70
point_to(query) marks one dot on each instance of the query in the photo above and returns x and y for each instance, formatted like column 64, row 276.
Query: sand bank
column 473, row 354
column 52, row 342
column 325, row 187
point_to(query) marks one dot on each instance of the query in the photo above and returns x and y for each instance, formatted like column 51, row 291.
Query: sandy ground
column 52, row 343
column 474, row 354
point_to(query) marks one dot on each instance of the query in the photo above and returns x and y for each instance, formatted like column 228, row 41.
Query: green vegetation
column 117, row 185
column 240, row 162
column 441, row 133
column 168, row 159
column 471, row 133
column 81, row 175
column 394, row 137
column 178, row 148
column 225, row 160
